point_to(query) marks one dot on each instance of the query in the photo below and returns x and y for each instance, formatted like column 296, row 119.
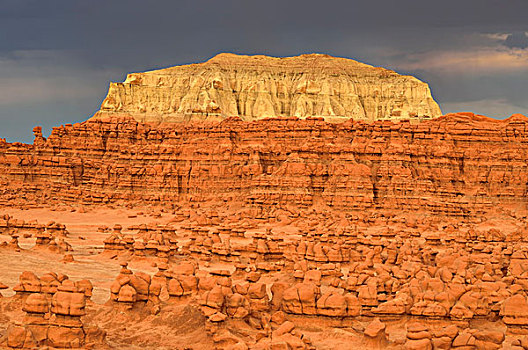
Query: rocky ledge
column 459, row 164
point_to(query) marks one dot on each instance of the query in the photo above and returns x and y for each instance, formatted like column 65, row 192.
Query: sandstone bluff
column 255, row 87
column 221, row 206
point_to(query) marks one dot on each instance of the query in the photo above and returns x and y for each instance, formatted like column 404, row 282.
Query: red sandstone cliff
column 459, row 164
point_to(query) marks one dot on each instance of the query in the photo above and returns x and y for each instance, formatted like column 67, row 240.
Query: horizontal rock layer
column 255, row 87
column 457, row 164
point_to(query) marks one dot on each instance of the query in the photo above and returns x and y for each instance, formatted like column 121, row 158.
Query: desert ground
column 244, row 257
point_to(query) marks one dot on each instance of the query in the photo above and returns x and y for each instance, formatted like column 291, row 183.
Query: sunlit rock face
column 256, row 87
column 458, row 165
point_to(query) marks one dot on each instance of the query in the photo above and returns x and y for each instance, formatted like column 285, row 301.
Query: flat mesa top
column 256, row 87
column 301, row 63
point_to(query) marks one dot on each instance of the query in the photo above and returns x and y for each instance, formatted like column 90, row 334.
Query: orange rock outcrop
column 459, row 164
column 265, row 233
column 54, row 306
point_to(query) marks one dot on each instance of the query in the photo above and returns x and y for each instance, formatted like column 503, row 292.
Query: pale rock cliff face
column 256, row 87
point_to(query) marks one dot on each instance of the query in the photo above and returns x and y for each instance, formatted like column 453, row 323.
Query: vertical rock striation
column 459, row 164
column 256, row 87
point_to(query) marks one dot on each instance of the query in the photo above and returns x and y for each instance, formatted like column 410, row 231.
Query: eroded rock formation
column 276, row 233
column 459, row 164
column 256, row 87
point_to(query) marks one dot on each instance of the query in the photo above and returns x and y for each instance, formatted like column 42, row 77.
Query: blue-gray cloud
column 517, row 40
column 58, row 56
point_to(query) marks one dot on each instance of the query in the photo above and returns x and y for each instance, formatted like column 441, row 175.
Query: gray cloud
column 43, row 75
column 517, row 40
column 58, row 56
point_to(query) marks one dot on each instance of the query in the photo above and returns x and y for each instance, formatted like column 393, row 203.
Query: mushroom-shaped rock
column 515, row 310
column 127, row 294
column 374, row 335
column 36, row 303
column 301, row 299
column 374, row 328
column 68, row 303
column 2, row 286
column 49, row 283
column 332, row 304
column 140, row 282
column 86, row 287
column 29, row 282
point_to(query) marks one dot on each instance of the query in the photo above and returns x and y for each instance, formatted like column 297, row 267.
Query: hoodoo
column 256, row 87
column 252, row 202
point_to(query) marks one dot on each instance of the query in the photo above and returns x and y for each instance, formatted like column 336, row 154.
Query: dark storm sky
column 57, row 57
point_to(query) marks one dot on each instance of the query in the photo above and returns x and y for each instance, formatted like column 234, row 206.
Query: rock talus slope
column 255, row 87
